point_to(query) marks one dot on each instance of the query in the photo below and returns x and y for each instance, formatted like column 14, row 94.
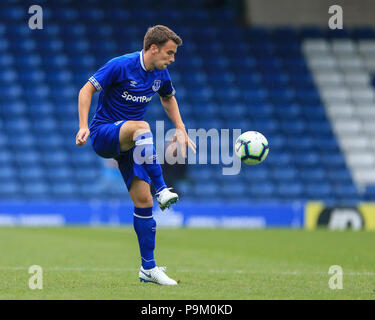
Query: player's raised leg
column 145, row 228
column 138, row 133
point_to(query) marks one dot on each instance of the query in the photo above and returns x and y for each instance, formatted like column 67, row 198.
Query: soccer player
column 117, row 130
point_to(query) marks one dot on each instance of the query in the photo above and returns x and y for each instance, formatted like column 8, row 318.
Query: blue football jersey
column 127, row 87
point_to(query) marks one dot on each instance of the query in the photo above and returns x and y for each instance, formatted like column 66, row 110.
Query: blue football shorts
column 106, row 143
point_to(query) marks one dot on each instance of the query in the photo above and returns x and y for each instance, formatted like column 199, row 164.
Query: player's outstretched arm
column 84, row 103
column 181, row 137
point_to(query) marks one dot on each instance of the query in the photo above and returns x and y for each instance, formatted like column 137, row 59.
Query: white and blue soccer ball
column 251, row 147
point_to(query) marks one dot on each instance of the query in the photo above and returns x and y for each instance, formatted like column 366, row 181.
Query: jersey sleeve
column 166, row 88
column 106, row 75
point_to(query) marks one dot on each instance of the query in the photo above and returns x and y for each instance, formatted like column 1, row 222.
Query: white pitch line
column 104, row 269
column 98, row 269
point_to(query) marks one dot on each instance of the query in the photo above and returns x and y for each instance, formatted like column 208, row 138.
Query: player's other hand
column 82, row 136
column 182, row 138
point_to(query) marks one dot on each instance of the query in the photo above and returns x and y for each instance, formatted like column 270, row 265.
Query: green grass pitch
column 103, row 263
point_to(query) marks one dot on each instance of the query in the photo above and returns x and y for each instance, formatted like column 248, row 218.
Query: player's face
column 164, row 56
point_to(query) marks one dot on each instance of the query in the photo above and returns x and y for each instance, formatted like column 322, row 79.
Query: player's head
column 161, row 44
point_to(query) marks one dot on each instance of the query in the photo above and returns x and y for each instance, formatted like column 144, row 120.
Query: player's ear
column 154, row 48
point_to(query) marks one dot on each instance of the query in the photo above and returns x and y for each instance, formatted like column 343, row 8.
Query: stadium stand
column 308, row 90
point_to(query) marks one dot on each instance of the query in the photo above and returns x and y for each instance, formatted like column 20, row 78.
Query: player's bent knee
column 129, row 130
column 140, row 127
column 143, row 201
column 142, row 124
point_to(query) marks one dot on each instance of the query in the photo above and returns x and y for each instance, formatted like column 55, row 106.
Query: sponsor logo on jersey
column 141, row 99
column 156, row 85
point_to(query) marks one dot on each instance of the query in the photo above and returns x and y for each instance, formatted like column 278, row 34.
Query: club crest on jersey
column 156, row 85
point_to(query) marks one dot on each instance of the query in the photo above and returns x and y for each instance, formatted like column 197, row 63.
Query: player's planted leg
column 145, row 228
column 156, row 275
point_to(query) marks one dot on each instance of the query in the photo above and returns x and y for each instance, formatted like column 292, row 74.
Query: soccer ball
column 251, row 147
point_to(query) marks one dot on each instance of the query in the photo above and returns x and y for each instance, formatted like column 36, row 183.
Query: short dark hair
column 159, row 35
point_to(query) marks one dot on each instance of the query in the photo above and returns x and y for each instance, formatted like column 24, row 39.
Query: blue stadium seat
column 314, row 174
column 25, row 141
column 255, row 174
column 200, row 172
column 337, row 33
column 290, row 190
column 332, row 160
column 90, row 191
column 262, row 190
column 11, row 92
column 345, row 191
column 4, row 142
column 36, row 190
column 5, row 157
column 336, row 175
column 59, row 173
column 64, row 190
column 32, row 173
column 306, row 159
column 27, row 157
column 311, row 32
column 370, row 193
column 230, row 190
column 8, row 173
column 51, row 141
column 318, row 191
column 10, row 190
column 209, row 190
column 87, row 174
column 363, row 33
column 284, row 174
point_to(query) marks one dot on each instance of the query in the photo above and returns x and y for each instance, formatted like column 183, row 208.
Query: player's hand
column 182, row 138
column 82, row 136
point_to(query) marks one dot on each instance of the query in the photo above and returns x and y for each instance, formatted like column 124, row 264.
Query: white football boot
column 156, row 275
column 166, row 198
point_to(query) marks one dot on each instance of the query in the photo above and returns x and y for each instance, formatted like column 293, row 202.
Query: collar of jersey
column 142, row 61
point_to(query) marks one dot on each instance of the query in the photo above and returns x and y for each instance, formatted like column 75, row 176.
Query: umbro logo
column 133, row 83
column 153, row 157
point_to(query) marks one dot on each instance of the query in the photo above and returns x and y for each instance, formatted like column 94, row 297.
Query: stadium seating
column 308, row 90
